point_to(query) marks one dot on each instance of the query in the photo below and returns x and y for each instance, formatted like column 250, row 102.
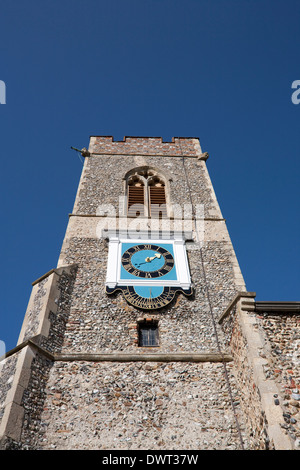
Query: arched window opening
column 146, row 194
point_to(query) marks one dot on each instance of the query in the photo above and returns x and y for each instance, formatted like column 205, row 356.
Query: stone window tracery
column 146, row 194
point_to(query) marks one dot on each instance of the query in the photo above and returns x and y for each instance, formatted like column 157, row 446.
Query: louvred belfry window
column 146, row 195
column 136, row 198
column 157, row 199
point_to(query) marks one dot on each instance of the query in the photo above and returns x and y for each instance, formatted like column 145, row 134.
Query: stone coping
column 233, row 302
column 277, row 307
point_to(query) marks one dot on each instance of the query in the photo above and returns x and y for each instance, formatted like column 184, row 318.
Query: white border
column 113, row 278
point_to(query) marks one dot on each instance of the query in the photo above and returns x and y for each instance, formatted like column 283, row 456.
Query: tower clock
column 148, row 272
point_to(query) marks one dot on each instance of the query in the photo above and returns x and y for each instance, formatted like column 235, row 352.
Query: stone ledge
column 140, row 154
column 120, row 356
column 144, row 357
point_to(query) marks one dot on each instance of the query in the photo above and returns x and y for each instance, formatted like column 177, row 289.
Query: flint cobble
column 139, row 406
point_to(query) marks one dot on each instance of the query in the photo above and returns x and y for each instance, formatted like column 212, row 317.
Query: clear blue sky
column 217, row 69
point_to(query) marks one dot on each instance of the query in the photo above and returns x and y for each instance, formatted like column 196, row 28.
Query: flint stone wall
column 282, row 334
column 98, row 322
column 280, row 360
column 139, row 406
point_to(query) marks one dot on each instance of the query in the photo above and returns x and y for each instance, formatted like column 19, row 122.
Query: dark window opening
column 148, row 334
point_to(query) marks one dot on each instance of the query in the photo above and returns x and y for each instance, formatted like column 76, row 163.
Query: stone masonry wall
column 250, row 400
column 138, row 406
column 103, row 176
column 97, row 190
column 98, row 322
column 30, row 395
column 7, row 371
column 282, row 334
column 280, row 358
column 144, row 146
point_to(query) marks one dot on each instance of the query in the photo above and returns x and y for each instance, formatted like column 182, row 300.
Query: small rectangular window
column 148, row 334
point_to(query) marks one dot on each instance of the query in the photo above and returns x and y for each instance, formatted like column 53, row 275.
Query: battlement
column 179, row 146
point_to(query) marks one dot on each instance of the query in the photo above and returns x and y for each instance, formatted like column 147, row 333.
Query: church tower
column 144, row 335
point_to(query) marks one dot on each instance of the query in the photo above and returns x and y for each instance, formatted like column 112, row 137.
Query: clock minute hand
column 140, row 264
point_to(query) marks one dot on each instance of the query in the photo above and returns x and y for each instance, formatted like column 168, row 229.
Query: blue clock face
column 148, row 261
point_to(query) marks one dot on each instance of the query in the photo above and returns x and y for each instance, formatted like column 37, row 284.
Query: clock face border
column 126, row 261
column 115, row 276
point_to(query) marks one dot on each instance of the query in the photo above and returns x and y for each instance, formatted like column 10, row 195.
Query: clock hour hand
column 149, row 259
column 140, row 264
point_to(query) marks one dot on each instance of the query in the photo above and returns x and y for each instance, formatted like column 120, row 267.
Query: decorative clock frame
column 132, row 281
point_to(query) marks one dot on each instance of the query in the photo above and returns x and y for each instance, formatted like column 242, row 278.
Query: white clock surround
column 113, row 275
